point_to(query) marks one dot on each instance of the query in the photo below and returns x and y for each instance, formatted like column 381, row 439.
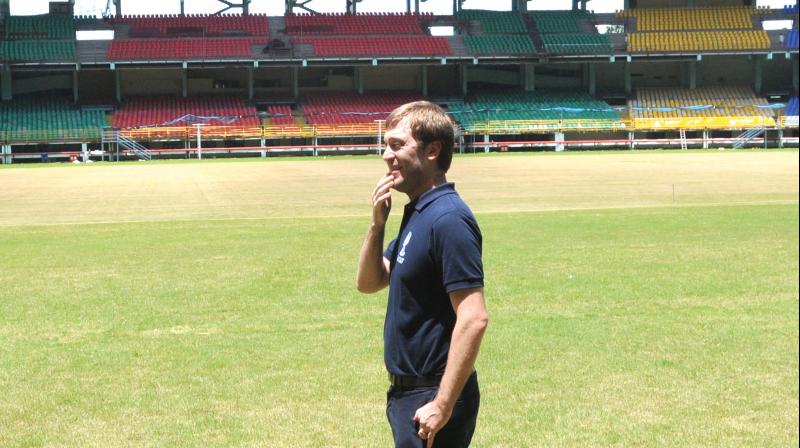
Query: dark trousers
column 402, row 403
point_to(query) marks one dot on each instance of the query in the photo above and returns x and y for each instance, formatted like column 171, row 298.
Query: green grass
column 667, row 326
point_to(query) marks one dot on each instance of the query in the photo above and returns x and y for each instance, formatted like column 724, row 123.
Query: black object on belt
column 414, row 381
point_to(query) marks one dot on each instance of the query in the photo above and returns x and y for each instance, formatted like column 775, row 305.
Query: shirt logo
column 402, row 254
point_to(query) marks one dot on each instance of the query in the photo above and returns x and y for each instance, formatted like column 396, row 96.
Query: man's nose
column 387, row 152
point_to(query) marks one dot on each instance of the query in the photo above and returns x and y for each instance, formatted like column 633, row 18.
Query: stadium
column 657, row 76
column 634, row 173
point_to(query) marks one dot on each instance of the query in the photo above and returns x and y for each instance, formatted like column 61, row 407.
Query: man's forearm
column 464, row 347
column 371, row 271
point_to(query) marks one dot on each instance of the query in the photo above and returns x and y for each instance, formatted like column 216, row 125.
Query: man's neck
column 435, row 181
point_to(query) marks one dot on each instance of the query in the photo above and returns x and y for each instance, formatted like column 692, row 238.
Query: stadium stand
column 495, row 22
column 698, row 41
column 183, row 48
column 565, row 32
column 790, row 115
column 792, row 40
column 52, row 118
column 499, row 44
column 409, row 45
column 687, row 19
column 388, row 23
column 188, row 37
column 164, row 110
column 791, row 9
column 495, row 32
column 577, row 44
column 344, row 113
column 559, row 21
column 529, row 111
column 713, row 107
column 280, row 122
column 695, row 29
column 46, row 37
column 793, row 107
column 164, row 116
column 195, row 25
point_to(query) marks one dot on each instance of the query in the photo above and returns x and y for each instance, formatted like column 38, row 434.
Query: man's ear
column 433, row 150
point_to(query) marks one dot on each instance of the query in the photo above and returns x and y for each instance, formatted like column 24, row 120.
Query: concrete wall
column 390, row 77
column 150, row 81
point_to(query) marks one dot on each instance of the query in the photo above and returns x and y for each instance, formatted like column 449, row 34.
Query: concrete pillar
column 592, row 72
column 692, row 75
column 423, row 80
column 462, row 72
column 486, row 140
column 250, row 89
column 185, row 82
column 416, row 6
column 295, row 82
column 757, row 74
column 84, row 152
column 5, row 80
column 627, row 75
column 75, row 86
column 705, row 139
column 118, row 7
column 631, row 136
column 559, row 139
column 6, row 153
column 117, row 86
column 795, row 76
column 528, row 77
column 358, row 80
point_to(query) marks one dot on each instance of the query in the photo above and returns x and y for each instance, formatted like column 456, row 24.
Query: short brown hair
column 428, row 123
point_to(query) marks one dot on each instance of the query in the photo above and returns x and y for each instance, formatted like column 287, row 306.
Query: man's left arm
column 471, row 322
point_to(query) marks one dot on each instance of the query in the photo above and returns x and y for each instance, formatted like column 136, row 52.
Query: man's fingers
column 431, row 435
column 386, row 198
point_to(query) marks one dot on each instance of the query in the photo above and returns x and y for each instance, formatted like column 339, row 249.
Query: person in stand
column 436, row 314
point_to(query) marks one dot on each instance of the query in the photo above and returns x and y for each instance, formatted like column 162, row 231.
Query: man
column 436, row 315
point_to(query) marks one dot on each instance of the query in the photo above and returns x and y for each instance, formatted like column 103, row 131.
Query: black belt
column 414, row 381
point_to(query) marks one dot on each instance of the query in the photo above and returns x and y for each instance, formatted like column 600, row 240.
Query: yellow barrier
column 500, row 127
column 701, row 123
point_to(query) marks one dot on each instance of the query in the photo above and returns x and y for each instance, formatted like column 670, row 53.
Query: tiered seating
column 698, row 41
column 687, row 19
column 189, row 37
column 500, row 44
column 577, row 43
column 793, row 108
column 792, row 38
column 790, row 115
column 47, row 37
column 500, row 32
column 560, row 21
column 45, row 26
column 791, row 9
column 532, row 111
column 408, row 45
column 195, row 25
column 29, row 119
column 562, row 32
column 164, row 111
column 386, row 23
column 341, row 114
column 495, row 22
column 183, row 48
column 695, row 29
column 700, row 108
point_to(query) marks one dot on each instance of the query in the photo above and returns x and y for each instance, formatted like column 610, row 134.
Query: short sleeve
column 457, row 247
column 387, row 254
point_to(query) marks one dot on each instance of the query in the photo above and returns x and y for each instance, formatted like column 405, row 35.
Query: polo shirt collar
column 431, row 195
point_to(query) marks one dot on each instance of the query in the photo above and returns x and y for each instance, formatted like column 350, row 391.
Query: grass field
column 636, row 299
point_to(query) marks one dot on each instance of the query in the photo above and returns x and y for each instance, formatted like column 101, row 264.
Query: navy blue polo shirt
column 436, row 252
